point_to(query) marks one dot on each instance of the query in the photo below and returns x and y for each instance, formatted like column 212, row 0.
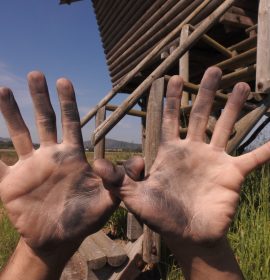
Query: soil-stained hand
column 51, row 194
column 192, row 190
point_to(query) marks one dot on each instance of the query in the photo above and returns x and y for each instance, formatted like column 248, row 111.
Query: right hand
column 192, row 190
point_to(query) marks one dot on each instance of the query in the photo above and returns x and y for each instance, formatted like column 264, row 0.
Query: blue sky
column 59, row 41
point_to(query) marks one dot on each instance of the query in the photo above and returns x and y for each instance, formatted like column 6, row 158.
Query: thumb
column 111, row 175
column 134, row 168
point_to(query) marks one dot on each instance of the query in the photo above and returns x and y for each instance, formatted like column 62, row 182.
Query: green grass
column 249, row 234
column 8, row 237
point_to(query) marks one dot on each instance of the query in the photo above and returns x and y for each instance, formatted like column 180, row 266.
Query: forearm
column 26, row 264
column 207, row 262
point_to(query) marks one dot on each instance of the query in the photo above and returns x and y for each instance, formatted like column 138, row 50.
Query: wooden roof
column 131, row 29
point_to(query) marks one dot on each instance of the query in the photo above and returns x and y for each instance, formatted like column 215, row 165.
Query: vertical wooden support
column 263, row 53
column 151, row 242
column 99, row 149
column 184, row 64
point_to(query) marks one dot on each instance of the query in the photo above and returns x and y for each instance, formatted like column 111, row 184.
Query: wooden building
column 147, row 41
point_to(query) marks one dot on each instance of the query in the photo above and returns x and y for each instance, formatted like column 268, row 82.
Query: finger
column 111, row 175
column 170, row 122
column 18, row 131
column 203, row 104
column 69, row 112
column 225, row 124
column 134, row 168
column 45, row 116
column 250, row 161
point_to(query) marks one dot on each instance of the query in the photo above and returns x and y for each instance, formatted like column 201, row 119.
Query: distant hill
column 5, row 143
column 111, row 144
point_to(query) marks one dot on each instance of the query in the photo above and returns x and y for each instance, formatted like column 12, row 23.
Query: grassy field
column 249, row 235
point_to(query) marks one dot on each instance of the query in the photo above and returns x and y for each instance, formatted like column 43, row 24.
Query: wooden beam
column 246, row 124
column 244, row 45
column 241, row 60
column 151, row 241
column 99, row 148
column 135, row 113
column 263, row 53
column 184, row 64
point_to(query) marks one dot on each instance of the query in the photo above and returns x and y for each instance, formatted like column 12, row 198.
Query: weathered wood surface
column 94, row 256
column 159, row 71
column 263, row 53
column 99, row 148
column 76, row 268
column 114, row 252
column 131, row 270
column 184, row 64
column 246, row 124
column 134, row 228
column 151, row 242
column 167, row 63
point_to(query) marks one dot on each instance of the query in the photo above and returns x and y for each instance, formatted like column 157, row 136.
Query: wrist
column 206, row 260
column 36, row 265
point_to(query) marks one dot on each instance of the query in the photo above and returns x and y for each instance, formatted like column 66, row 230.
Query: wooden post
column 184, row 64
column 99, row 148
column 263, row 53
column 151, row 242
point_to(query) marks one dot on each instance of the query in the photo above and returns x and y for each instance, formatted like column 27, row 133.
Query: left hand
column 52, row 196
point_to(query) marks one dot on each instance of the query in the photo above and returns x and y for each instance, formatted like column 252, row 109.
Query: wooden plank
column 116, row 255
column 166, row 63
column 263, row 53
column 151, row 242
column 99, row 148
column 134, row 228
column 131, row 270
column 95, row 257
column 158, row 72
column 184, row 64
column 76, row 268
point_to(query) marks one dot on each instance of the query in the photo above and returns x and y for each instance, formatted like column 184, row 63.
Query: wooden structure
column 145, row 42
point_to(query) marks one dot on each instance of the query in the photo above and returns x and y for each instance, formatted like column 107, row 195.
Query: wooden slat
column 263, row 53
column 115, row 254
column 150, row 22
column 134, row 228
column 155, row 33
column 94, row 256
column 130, row 19
column 141, row 21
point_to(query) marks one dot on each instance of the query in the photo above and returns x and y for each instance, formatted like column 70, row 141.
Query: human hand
column 192, row 190
column 52, row 196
